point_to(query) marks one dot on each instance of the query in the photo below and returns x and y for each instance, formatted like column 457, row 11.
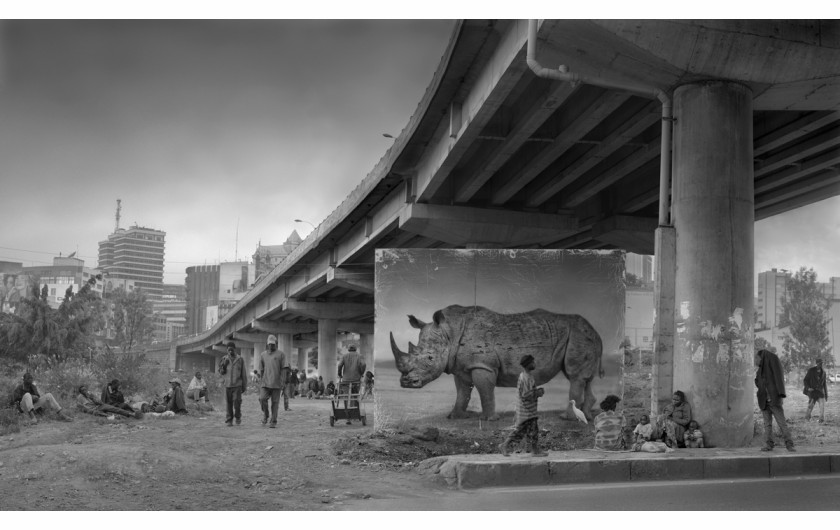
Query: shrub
column 9, row 421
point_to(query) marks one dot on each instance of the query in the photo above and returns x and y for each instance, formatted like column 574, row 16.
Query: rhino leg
column 464, row 389
column 485, row 383
column 589, row 400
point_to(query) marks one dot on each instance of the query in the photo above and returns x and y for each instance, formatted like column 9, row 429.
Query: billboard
column 15, row 288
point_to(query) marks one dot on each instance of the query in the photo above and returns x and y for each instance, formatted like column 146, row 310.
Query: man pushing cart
column 350, row 371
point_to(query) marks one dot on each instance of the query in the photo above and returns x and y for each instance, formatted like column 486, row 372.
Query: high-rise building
column 639, row 265
column 65, row 272
column 212, row 290
column 135, row 254
column 772, row 286
column 266, row 257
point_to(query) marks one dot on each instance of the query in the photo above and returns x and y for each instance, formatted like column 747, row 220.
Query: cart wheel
column 363, row 421
column 332, row 421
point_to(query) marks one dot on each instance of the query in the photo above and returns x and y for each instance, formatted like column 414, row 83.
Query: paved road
column 795, row 493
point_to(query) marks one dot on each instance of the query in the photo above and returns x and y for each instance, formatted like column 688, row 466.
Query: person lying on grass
column 88, row 403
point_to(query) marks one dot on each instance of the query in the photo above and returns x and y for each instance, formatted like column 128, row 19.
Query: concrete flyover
column 497, row 156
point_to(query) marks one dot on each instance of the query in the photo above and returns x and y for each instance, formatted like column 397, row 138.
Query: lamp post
column 307, row 222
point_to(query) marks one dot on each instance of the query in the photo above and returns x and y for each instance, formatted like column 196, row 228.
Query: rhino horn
column 399, row 356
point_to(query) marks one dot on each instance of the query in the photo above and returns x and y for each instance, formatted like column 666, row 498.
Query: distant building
column 65, row 273
column 135, row 254
column 639, row 265
column 772, row 286
column 638, row 317
column 212, row 290
column 266, row 257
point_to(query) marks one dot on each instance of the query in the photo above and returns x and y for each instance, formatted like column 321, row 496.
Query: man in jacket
column 274, row 368
column 26, row 398
column 770, row 381
column 112, row 396
column 232, row 367
column 350, row 371
column 816, row 389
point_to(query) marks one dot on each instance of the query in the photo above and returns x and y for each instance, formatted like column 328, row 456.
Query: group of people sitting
column 672, row 429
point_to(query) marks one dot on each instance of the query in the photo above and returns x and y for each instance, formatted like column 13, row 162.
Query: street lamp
column 307, row 222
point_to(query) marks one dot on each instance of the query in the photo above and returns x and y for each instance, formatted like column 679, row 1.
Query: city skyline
column 221, row 133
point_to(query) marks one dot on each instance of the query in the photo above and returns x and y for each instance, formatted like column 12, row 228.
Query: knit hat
column 526, row 360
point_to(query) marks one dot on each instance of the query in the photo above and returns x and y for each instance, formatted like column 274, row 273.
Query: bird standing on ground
column 578, row 413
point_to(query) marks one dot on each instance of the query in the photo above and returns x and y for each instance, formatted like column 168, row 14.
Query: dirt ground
column 195, row 462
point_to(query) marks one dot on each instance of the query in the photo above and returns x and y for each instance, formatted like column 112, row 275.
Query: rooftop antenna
column 117, row 224
column 236, row 248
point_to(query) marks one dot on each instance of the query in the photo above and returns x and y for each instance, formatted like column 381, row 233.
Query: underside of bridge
column 496, row 156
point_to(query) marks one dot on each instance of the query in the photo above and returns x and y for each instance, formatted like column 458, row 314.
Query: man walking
column 770, row 381
column 350, row 371
column 526, row 410
column 816, row 389
column 232, row 367
column 273, row 371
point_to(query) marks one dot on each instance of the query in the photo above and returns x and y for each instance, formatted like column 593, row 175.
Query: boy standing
column 526, row 410
column 232, row 368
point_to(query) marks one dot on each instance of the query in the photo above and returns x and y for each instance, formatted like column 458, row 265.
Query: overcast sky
column 200, row 125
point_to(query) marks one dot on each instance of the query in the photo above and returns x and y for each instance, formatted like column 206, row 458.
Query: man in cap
column 26, row 398
column 232, row 368
column 274, row 367
column 176, row 402
column 526, row 410
column 816, row 389
column 350, row 371
column 770, row 381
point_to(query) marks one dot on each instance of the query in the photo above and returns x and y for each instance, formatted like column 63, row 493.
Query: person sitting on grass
column 312, row 391
column 111, row 395
column 368, row 381
column 26, row 399
column 330, row 390
column 693, row 436
column 174, row 399
column 526, row 410
column 88, row 403
column 609, row 426
column 197, row 390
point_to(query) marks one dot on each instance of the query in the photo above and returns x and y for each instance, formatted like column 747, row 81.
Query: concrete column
column 366, row 349
column 248, row 357
column 259, row 348
column 302, row 359
column 713, row 216
column 284, row 344
column 663, row 328
column 327, row 349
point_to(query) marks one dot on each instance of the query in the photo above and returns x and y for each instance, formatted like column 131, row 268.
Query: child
column 526, row 410
column 643, row 432
column 693, row 436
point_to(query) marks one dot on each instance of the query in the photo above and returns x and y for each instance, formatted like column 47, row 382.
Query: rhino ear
column 415, row 323
column 438, row 317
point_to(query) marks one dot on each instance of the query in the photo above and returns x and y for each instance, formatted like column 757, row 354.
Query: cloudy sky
column 198, row 126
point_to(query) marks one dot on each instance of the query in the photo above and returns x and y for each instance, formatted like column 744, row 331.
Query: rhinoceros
column 482, row 348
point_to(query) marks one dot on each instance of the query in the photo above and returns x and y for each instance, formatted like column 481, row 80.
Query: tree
column 131, row 318
column 806, row 313
column 312, row 356
column 631, row 280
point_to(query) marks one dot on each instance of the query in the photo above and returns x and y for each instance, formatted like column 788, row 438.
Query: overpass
column 551, row 134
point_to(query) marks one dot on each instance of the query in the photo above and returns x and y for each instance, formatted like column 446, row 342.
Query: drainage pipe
column 563, row 74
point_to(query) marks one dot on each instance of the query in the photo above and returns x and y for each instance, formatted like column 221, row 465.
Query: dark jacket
column 176, row 402
column 817, row 382
column 770, row 380
column 111, row 397
column 233, row 371
column 20, row 390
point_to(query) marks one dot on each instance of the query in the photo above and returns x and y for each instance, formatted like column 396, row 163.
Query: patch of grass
column 9, row 421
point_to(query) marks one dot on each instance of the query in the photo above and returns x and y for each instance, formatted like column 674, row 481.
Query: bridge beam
column 327, row 310
column 713, row 216
column 274, row 328
column 460, row 225
column 356, row 280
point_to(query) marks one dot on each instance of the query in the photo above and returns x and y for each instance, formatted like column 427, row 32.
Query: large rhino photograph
column 482, row 348
column 451, row 326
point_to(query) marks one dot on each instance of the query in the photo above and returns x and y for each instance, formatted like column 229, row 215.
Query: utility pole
column 117, row 223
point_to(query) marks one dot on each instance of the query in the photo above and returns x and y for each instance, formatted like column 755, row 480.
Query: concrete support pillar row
column 327, row 349
column 259, row 348
column 713, row 217
column 284, row 344
column 248, row 358
column 301, row 359
column 366, row 349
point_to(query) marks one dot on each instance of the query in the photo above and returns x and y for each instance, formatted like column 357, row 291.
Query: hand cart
column 347, row 404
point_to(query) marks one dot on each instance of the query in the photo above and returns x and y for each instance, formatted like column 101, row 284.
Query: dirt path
column 194, row 462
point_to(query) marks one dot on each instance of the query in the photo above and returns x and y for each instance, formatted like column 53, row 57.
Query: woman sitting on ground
column 674, row 420
column 609, row 426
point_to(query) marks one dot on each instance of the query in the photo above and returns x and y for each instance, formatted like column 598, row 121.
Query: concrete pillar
column 366, row 349
column 665, row 268
column 248, row 357
column 259, row 348
column 302, row 359
column 713, row 216
column 173, row 357
column 327, row 349
column 284, row 344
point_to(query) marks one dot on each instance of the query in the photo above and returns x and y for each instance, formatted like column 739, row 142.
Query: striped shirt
column 526, row 408
column 608, row 430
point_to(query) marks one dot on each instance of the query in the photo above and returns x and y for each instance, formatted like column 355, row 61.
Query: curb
column 488, row 471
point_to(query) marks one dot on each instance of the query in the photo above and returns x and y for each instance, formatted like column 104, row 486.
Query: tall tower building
column 772, row 286
column 135, row 255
